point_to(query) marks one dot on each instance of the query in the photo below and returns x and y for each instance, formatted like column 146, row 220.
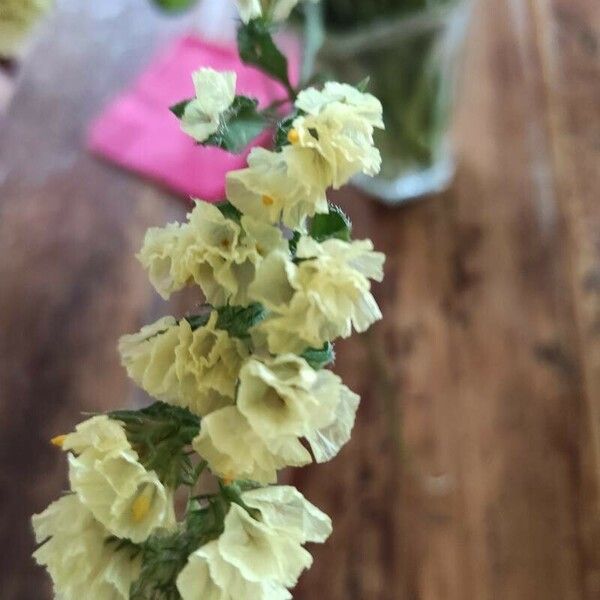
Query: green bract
column 256, row 47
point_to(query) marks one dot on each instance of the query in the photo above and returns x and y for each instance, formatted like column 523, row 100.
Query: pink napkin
column 138, row 132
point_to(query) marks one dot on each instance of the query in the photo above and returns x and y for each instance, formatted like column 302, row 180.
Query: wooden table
column 473, row 473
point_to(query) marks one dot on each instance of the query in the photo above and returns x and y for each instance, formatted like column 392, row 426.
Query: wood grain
column 473, row 472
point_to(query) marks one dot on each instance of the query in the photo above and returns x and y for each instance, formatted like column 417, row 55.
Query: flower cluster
column 240, row 385
column 113, row 497
column 260, row 553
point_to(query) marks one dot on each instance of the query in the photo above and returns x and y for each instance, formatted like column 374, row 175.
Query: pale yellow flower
column 222, row 256
column 319, row 299
column 158, row 253
column 285, row 510
column 79, row 556
column 367, row 106
column 218, row 254
column 107, row 477
column 215, row 93
column 284, row 396
column 260, row 552
column 325, row 442
column 212, row 254
column 17, row 18
column 207, row 575
column 288, row 186
column 279, row 400
column 257, row 556
column 149, row 357
column 339, row 126
column 208, row 361
column 233, row 449
column 196, row 369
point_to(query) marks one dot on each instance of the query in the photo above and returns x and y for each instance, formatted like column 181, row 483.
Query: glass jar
column 412, row 62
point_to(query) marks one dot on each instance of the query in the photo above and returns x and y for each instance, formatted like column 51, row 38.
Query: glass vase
column 413, row 63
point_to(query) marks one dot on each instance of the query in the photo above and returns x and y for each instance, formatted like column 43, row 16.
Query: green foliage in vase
column 348, row 14
column 174, row 5
column 409, row 69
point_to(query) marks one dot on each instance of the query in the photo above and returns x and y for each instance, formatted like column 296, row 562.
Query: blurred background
column 474, row 469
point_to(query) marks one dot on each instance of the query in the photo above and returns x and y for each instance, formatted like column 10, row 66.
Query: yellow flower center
column 225, row 243
column 141, row 505
column 58, row 440
column 293, row 137
column 267, row 200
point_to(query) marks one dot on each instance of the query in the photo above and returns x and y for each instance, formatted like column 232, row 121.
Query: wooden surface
column 473, row 472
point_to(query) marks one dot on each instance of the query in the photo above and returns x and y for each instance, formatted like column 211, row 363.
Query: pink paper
column 138, row 132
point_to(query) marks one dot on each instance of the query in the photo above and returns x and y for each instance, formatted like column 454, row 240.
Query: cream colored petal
column 286, row 510
column 104, row 472
column 215, row 93
column 77, row 555
column 207, row 362
column 100, row 434
column 312, row 101
column 215, row 90
column 326, row 294
column 125, row 498
column 194, row 582
column 196, row 123
column 259, row 552
column 344, row 139
column 273, row 284
column 208, row 575
column 234, row 451
column 159, row 256
column 149, row 357
column 326, row 442
column 288, row 185
column 284, row 396
column 262, row 237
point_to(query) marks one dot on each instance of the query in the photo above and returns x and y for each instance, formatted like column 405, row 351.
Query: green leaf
column 237, row 320
column 174, row 5
column 335, row 224
column 283, row 128
column 159, row 434
column 133, row 550
column 165, row 554
column 256, row 47
column 229, row 211
column 197, row 321
column 238, row 126
column 293, row 242
column 179, row 108
column 319, row 358
column 363, row 85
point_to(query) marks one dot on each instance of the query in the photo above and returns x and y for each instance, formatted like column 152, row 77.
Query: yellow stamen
column 267, row 200
column 58, row 440
column 293, row 137
column 141, row 507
